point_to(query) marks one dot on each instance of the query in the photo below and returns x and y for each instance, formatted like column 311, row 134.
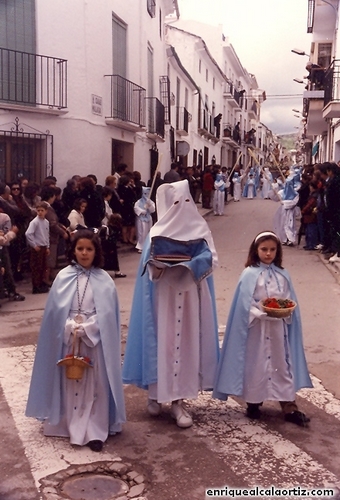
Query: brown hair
column 253, row 257
column 88, row 235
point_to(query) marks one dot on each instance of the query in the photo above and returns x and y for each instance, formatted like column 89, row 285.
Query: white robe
column 184, row 314
column 85, row 402
column 143, row 226
column 219, row 198
column 286, row 221
column 268, row 366
column 238, row 188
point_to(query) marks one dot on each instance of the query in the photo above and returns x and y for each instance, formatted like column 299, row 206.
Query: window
column 324, row 54
column 151, row 6
column 119, row 29
column 206, row 75
column 160, row 24
column 214, row 83
column 200, row 65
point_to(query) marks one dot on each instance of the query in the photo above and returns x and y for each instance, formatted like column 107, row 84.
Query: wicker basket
column 75, row 365
column 278, row 313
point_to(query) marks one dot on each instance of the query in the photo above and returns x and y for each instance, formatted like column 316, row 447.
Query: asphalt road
column 223, row 448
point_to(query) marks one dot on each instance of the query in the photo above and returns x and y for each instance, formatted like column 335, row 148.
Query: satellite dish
column 183, row 148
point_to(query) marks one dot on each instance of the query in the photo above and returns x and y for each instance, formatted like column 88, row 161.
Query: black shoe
column 16, row 297
column 95, row 445
column 253, row 411
column 298, row 418
column 40, row 289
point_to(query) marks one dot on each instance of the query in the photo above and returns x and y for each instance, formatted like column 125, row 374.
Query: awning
column 315, row 149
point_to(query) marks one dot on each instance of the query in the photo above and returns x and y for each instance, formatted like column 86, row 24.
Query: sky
column 263, row 32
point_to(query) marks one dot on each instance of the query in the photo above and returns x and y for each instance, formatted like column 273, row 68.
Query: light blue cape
column 44, row 399
column 230, row 373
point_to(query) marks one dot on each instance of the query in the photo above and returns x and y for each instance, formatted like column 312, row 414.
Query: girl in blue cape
column 263, row 357
column 82, row 312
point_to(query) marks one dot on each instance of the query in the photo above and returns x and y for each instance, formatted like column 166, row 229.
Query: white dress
column 184, row 316
column 85, row 402
column 268, row 367
column 219, row 198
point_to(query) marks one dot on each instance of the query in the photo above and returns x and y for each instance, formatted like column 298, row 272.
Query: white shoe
column 179, row 413
column 334, row 258
column 319, row 247
column 154, row 408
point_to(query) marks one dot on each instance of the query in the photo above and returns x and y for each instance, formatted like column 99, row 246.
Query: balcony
column 233, row 96
column 32, row 82
column 182, row 121
column 253, row 111
column 231, row 136
column 155, row 119
column 127, row 107
column 206, row 126
column 332, row 91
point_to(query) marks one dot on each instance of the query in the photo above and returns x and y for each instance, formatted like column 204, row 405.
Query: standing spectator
column 172, row 175
column 76, row 216
column 139, row 184
column 107, row 195
column 5, row 239
column 115, row 201
column 18, row 249
column 31, row 195
column 95, row 209
column 127, row 194
column 38, row 238
column 57, row 231
column 69, row 195
column 332, row 213
column 207, row 187
column 110, row 235
column 309, row 219
column 8, row 282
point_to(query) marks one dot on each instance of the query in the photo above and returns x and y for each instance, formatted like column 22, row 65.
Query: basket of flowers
column 74, row 363
column 278, row 308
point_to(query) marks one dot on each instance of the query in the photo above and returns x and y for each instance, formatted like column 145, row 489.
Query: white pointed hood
column 178, row 217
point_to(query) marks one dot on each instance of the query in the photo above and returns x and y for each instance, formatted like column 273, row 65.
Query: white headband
column 265, row 233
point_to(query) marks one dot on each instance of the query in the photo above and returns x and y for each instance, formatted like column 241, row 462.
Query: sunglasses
column 15, row 189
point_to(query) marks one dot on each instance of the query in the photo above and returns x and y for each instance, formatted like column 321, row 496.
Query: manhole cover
column 93, row 487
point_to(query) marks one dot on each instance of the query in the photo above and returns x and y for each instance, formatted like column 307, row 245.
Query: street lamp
column 300, row 52
column 298, row 80
column 297, row 116
column 296, row 110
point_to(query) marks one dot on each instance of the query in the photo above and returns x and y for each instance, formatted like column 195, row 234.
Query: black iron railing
column 332, row 82
column 32, row 79
column 127, row 101
column 156, row 116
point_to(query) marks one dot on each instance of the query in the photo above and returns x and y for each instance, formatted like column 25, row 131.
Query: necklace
column 78, row 317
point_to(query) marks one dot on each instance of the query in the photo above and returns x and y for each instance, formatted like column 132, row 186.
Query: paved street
column 223, row 448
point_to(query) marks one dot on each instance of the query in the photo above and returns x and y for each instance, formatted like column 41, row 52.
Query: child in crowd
column 81, row 318
column 110, row 235
column 262, row 357
column 38, row 239
column 144, row 207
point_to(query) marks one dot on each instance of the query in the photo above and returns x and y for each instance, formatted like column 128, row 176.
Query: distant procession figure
column 267, row 179
column 144, row 207
column 287, row 216
column 249, row 191
column 172, row 344
column 219, row 195
column 237, row 182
